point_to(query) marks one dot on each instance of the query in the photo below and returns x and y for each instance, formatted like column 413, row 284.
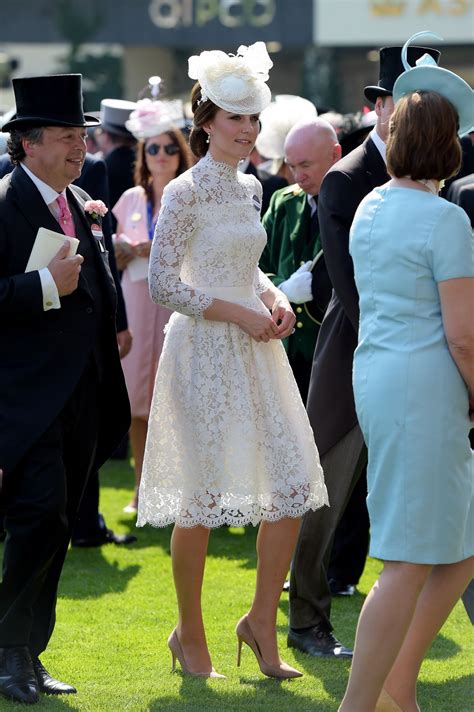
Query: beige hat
column 235, row 83
column 277, row 119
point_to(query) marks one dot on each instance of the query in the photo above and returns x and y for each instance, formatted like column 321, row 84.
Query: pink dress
column 146, row 320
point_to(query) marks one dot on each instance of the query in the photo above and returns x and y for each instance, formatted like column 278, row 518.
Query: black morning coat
column 330, row 405
column 43, row 354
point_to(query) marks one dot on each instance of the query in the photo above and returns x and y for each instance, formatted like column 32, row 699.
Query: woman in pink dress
column 162, row 154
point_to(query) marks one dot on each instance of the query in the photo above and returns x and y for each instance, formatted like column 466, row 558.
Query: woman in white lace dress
column 229, row 441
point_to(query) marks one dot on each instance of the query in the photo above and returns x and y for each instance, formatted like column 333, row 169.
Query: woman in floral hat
column 229, row 442
column 162, row 154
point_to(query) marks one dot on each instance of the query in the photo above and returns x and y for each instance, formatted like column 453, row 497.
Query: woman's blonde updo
column 202, row 114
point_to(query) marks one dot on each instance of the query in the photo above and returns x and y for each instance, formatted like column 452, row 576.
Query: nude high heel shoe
column 245, row 635
column 385, row 703
column 177, row 652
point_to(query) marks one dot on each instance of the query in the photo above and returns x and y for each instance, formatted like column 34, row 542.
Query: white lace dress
column 229, row 441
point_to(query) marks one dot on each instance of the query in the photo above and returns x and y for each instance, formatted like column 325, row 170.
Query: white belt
column 230, row 293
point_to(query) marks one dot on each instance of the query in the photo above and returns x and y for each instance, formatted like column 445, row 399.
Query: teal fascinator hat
column 427, row 76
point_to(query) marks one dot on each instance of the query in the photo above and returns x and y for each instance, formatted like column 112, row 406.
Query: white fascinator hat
column 427, row 76
column 235, row 83
column 152, row 117
column 277, row 119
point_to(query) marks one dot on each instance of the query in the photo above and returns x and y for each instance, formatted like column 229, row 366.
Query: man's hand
column 298, row 286
column 124, row 342
column 65, row 270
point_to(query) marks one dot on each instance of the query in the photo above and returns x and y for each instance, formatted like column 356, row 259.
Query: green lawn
column 117, row 608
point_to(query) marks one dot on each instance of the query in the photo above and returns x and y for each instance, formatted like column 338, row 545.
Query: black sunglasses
column 171, row 149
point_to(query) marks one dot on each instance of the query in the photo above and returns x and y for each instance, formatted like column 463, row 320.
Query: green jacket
column 289, row 244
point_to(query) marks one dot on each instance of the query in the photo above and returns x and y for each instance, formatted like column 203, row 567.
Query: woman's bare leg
column 138, row 431
column 383, row 624
column 188, row 554
column 276, row 542
column 444, row 587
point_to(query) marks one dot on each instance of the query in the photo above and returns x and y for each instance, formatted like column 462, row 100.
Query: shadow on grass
column 211, row 696
column 87, row 574
column 452, row 695
column 444, row 648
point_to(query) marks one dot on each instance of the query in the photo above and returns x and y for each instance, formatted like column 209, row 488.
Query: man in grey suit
column 330, row 403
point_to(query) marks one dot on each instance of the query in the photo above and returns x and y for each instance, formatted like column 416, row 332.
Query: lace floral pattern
column 229, row 441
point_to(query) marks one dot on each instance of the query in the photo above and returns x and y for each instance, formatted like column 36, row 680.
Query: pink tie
column 65, row 217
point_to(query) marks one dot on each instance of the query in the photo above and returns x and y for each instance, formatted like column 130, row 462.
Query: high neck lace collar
column 223, row 168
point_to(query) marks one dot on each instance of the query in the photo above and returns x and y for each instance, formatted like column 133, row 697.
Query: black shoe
column 105, row 536
column 318, row 642
column 338, row 588
column 48, row 684
column 17, row 677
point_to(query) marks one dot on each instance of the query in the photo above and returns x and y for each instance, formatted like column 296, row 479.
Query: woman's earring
column 208, row 139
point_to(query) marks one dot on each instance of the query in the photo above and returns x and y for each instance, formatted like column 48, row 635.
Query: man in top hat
column 293, row 241
column 118, row 147
column 64, row 402
column 330, row 404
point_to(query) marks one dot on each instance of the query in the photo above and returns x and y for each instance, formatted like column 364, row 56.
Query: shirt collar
column 380, row 144
column 312, row 202
column 48, row 194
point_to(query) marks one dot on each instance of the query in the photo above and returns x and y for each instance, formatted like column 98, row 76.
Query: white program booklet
column 47, row 244
column 138, row 269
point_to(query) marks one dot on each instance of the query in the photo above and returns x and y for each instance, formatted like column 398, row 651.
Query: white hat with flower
column 235, row 83
column 152, row 118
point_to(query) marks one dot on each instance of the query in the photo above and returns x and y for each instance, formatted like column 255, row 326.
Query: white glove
column 298, row 286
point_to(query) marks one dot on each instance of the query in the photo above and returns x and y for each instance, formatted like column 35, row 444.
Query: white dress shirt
column 380, row 144
column 48, row 285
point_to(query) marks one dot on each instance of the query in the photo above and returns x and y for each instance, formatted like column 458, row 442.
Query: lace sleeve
column 262, row 282
column 176, row 225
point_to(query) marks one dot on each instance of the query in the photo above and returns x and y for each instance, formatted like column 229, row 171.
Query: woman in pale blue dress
column 413, row 386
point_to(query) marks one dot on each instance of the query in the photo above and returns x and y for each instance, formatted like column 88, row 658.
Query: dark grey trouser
column 310, row 597
column 468, row 600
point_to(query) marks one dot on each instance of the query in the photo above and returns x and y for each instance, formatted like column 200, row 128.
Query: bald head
column 311, row 148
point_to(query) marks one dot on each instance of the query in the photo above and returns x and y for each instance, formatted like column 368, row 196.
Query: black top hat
column 391, row 67
column 54, row 100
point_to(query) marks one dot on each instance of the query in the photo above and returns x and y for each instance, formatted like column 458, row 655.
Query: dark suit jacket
column 94, row 181
column 120, row 165
column 43, row 354
column 330, row 405
column 461, row 192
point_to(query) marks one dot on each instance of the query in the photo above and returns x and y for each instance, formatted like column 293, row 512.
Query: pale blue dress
column 411, row 400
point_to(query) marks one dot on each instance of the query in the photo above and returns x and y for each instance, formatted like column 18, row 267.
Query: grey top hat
column 114, row 113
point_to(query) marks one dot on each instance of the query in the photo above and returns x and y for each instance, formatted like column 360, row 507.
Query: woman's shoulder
column 133, row 194
column 183, row 188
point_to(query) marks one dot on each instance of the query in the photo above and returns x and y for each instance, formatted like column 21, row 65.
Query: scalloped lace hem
column 228, row 518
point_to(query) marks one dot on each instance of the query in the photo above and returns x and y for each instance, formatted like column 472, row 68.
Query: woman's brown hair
column 422, row 141
column 142, row 175
column 202, row 113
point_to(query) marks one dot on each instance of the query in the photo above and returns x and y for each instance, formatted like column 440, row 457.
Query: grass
column 116, row 608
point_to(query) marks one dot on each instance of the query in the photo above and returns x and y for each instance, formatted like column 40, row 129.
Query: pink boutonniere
column 96, row 209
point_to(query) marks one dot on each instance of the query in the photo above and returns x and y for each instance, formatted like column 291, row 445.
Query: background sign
column 166, row 23
column 379, row 22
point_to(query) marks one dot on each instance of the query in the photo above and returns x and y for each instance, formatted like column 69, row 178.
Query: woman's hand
column 283, row 316
column 123, row 255
column 256, row 324
column 141, row 249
